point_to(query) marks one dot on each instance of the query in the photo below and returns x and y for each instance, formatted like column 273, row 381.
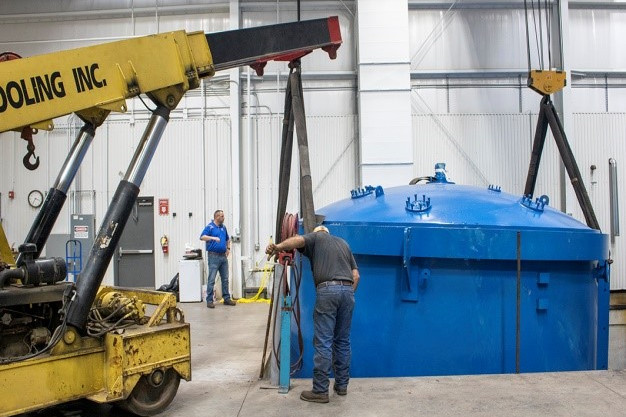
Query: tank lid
column 442, row 209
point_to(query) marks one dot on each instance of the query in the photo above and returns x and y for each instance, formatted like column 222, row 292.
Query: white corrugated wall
column 191, row 168
column 596, row 137
column 17, row 216
column 332, row 150
column 483, row 149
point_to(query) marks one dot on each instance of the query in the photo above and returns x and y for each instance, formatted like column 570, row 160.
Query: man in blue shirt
column 218, row 248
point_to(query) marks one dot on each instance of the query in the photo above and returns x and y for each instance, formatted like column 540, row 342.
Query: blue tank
column 463, row 280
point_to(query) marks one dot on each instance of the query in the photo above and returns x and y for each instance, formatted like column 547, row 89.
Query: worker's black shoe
column 314, row 397
column 230, row 302
column 210, row 304
column 340, row 390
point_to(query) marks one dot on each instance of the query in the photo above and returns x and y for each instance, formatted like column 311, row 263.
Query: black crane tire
column 147, row 399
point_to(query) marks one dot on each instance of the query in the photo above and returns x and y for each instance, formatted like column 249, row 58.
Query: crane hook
column 27, row 135
column 27, row 132
column 31, row 153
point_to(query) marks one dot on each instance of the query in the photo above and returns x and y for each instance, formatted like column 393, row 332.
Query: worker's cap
column 321, row 229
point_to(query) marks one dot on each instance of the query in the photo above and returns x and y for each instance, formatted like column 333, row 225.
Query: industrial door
column 134, row 256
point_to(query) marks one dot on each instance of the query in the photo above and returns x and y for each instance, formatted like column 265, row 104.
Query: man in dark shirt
column 336, row 278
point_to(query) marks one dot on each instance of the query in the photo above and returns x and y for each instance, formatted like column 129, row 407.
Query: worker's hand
column 215, row 238
column 271, row 250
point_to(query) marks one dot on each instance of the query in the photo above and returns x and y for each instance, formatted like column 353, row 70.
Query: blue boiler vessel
column 463, row 280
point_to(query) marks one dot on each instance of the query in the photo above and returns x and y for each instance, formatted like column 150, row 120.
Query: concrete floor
column 227, row 343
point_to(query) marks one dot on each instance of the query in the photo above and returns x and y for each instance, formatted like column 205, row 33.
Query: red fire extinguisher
column 165, row 244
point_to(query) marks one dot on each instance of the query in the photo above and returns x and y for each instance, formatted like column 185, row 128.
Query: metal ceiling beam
column 578, row 74
column 113, row 13
column 149, row 11
column 459, row 5
column 465, row 74
column 597, row 5
column 309, row 76
column 598, row 73
column 513, row 4
column 317, row 5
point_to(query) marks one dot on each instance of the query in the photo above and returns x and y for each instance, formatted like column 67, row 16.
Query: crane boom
column 94, row 80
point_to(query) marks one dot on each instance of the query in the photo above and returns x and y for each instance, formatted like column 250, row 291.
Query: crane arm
column 95, row 80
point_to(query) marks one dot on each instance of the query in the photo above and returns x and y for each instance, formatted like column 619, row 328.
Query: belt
column 217, row 253
column 334, row 282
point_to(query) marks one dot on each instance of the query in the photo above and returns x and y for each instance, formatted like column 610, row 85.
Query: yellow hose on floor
column 267, row 272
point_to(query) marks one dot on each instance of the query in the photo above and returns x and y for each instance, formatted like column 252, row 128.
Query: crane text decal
column 46, row 87
column 85, row 78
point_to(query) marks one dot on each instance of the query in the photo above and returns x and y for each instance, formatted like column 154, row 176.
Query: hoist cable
column 527, row 34
column 548, row 7
column 558, row 11
column 541, row 40
column 538, row 33
column 549, row 30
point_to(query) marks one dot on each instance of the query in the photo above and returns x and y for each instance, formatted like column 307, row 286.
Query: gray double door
column 134, row 256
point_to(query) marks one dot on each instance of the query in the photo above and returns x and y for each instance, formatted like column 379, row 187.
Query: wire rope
column 538, row 38
column 527, row 34
column 548, row 33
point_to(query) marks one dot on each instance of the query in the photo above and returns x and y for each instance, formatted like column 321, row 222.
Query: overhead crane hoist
column 547, row 82
column 66, row 341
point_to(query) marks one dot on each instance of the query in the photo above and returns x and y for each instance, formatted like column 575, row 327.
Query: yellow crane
column 66, row 341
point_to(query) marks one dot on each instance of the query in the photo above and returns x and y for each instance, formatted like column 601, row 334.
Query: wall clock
column 35, row 198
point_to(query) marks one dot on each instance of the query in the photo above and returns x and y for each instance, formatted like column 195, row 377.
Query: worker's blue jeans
column 332, row 320
column 217, row 263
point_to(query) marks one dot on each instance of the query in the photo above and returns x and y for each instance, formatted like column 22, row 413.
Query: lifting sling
column 547, row 82
column 294, row 114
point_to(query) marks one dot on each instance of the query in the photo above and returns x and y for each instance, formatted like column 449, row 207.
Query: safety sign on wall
column 164, row 206
column 81, row 232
